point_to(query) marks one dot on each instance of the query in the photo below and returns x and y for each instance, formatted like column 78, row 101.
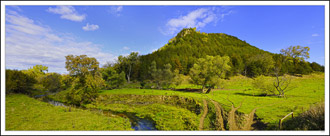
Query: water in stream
column 136, row 122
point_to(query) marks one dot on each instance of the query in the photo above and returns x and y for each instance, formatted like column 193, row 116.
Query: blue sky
column 45, row 34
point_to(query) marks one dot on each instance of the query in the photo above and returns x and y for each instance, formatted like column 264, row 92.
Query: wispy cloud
column 29, row 44
column 314, row 35
column 67, row 12
column 89, row 27
column 198, row 18
column 116, row 10
column 126, row 48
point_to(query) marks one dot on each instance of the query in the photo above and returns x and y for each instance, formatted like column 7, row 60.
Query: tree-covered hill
column 187, row 46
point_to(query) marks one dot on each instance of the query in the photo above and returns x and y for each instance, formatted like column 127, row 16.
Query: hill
column 188, row 45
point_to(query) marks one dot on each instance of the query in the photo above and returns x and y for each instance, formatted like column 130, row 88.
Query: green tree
column 167, row 76
column 38, row 72
column 127, row 64
column 155, row 74
column 19, row 82
column 178, row 78
column 296, row 54
column 206, row 70
column 112, row 78
column 87, row 78
column 80, row 66
column 52, row 82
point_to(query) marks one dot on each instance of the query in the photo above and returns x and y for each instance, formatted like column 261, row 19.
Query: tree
column 207, row 69
column 128, row 63
column 38, row 72
column 167, row 76
column 19, row 82
column 178, row 78
column 52, row 82
column 80, row 66
column 260, row 64
column 282, row 84
column 296, row 54
column 263, row 85
column 87, row 79
column 112, row 78
column 155, row 74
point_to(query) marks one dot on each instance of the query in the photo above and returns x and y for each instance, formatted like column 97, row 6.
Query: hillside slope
column 188, row 45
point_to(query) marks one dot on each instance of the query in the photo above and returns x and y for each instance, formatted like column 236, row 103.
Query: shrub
column 263, row 85
column 18, row 82
column 313, row 119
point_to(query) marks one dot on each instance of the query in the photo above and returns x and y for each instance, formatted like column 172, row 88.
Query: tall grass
column 313, row 119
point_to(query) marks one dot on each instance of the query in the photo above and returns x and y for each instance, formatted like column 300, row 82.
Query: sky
column 44, row 35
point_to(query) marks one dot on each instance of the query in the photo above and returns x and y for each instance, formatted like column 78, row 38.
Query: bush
column 84, row 90
column 18, row 82
column 263, row 85
column 52, row 82
column 313, row 119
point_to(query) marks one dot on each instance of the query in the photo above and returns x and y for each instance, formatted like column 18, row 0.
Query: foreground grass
column 304, row 91
column 25, row 113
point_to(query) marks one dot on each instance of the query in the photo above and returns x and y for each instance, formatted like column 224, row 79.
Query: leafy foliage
column 112, row 78
column 19, row 82
column 52, row 82
column 128, row 64
column 87, row 79
column 207, row 71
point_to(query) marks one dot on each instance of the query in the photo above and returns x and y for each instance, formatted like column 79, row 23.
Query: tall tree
column 127, row 64
column 167, row 76
column 82, row 65
column 207, row 69
column 112, row 78
column 87, row 78
column 296, row 54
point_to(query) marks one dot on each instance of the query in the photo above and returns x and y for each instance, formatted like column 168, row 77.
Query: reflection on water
column 143, row 124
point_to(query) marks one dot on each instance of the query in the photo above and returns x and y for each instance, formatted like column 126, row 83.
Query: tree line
column 208, row 59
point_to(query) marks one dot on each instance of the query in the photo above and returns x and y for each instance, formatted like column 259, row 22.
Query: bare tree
column 281, row 83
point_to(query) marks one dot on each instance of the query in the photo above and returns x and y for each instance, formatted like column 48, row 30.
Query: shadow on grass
column 257, row 95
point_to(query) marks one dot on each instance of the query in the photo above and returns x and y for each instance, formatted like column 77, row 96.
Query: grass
column 305, row 91
column 25, row 113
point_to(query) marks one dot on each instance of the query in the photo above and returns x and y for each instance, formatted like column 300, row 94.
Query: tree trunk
column 208, row 90
column 203, row 88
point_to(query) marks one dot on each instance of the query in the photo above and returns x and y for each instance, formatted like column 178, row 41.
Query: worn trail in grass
column 304, row 91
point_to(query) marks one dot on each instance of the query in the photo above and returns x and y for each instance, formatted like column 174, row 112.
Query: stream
column 136, row 122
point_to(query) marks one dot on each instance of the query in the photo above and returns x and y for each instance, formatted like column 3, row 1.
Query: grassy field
column 25, row 113
column 304, row 92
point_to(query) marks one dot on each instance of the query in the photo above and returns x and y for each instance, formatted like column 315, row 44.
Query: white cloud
column 314, row 35
column 29, row 44
column 91, row 27
column 67, row 12
column 116, row 10
column 126, row 48
column 198, row 18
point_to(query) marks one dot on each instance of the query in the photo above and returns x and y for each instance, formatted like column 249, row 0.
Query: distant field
column 25, row 113
column 305, row 91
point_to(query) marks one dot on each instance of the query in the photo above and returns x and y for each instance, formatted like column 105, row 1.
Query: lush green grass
column 168, row 114
column 25, row 113
column 304, row 91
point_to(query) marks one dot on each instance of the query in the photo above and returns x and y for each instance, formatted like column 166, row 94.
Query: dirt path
column 231, row 116
column 219, row 119
column 205, row 110
column 249, row 120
